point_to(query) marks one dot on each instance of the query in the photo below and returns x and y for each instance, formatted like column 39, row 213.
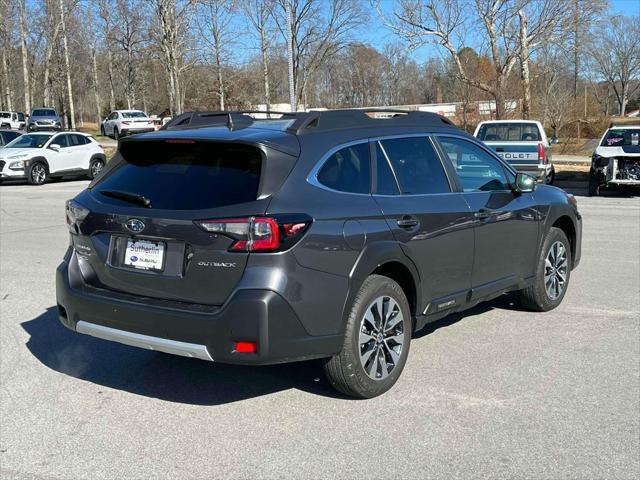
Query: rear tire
column 552, row 274
column 375, row 347
column 551, row 177
column 37, row 174
column 116, row 134
column 102, row 132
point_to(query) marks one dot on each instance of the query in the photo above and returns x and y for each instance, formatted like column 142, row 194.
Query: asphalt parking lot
column 495, row 392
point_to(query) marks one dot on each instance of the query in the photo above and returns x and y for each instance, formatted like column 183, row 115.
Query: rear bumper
column 261, row 316
column 131, row 131
column 540, row 171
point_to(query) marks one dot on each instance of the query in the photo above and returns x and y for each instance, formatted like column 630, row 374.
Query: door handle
column 407, row 221
column 486, row 213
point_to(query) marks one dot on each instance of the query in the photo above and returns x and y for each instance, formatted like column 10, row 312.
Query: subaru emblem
column 134, row 225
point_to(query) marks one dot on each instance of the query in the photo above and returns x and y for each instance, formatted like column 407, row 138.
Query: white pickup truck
column 522, row 143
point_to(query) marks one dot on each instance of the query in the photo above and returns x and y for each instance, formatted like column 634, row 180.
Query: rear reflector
column 246, row 347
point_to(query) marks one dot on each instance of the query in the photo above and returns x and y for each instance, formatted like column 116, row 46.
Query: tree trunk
column 265, row 67
column 96, row 91
column 524, row 66
column 218, row 60
column 8, row 103
column 65, row 48
column 25, row 57
column 112, row 95
column 624, row 99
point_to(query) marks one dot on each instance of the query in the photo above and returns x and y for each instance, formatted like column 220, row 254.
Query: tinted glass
column 134, row 115
column 43, row 112
column 622, row 137
column 6, row 137
column 62, row 140
column 416, row 165
column 477, row 169
column 185, row 176
column 21, row 117
column 32, row 140
column 509, row 132
column 76, row 140
column 5, row 114
column 347, row 170
column 385, row 181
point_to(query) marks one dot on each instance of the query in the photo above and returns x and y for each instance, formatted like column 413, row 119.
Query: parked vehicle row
column 39, row 156
column 124, row 122
column 331, row 235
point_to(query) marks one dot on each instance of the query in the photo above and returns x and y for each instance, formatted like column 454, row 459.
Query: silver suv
column 44, row 119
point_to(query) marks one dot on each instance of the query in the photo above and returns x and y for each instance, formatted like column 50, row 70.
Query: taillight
column 258, row 234
column 75, row 213
column 541, row 155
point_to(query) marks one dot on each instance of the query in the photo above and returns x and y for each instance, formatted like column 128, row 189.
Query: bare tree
column 259, row 12
column 616, row 58
column 583, row 14
column 445, row 23
column 71, row 121
column 320, row 29
column 25, row 55
column 7, row 98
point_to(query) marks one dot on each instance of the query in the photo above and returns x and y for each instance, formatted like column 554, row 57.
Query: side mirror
column 525, row 183
column 55, row 147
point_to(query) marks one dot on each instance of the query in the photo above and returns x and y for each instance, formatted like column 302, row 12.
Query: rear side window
column 385, row 181
column 416, row 165
column 347, row 170
column 186, row 176
column 509, row 132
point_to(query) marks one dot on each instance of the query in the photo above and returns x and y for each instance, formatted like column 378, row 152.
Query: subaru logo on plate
column 134, row 225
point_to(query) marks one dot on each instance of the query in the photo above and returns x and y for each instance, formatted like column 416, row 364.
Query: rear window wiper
column 128, row 197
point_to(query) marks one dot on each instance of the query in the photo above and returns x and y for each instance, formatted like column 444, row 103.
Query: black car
column 331, row 235
column 7, row 135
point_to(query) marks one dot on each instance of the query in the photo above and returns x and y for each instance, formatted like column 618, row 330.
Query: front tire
column 102, row 132
column 37, row 174
column 95, row 167
column 594, row 186
column 552, row 274
column 376, row 340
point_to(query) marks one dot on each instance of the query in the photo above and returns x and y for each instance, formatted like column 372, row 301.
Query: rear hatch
column 141, row 234
column 517, row 153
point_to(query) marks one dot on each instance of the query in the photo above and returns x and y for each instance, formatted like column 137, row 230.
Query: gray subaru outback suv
column 332, row 235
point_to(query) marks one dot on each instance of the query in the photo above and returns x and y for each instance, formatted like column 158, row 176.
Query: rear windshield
column 622, row 137
column 134, row 115
column 43, row 112
column 178, row 176
column 509, row 132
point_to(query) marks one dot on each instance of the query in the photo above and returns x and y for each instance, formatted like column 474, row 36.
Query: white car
column 39, row 156
column 616, row 160
column 124, row 122
column 15, row 120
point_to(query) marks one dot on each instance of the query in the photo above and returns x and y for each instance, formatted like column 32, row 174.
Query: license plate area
column 146, row 255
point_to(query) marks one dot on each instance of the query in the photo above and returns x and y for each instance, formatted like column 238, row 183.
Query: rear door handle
column 407, row 221
column 486, row 213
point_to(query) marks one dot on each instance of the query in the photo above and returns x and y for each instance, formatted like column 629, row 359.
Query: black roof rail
column 358, row 118
column 233, row 120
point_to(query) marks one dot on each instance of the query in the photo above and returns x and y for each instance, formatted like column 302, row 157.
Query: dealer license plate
column 144, row 255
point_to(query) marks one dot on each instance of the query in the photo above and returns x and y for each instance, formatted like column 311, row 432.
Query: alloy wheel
column 555, row 270
column 96, row 168
column 38, row 174
column 381, row 337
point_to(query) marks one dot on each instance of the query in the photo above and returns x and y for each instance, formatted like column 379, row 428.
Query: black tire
column 594, row 186
column 37, row 174
column 345, row 370
column 116, row 134
column 95, row 167
column 551, row 177
column 102, row 132
column 536, row 297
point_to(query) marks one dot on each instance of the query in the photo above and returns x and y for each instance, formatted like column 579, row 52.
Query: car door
column 77, row 149
column 505, row 222
column 429, row 218
column 62, row 159
column 108, row 128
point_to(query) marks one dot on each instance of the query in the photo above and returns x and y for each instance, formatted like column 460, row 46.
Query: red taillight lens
column 541, row 156
column 246, row 347
column 256, row 234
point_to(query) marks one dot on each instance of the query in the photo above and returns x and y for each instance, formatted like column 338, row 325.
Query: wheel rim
column 38, row 173
column 555, row 270
column 381, row 337
column 96, row 168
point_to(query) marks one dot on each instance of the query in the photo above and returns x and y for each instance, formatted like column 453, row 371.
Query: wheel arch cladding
column 565, row 224
column 399, row 273
column 40, row 160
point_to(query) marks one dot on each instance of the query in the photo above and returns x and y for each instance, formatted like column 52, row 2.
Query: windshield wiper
column 128, row 197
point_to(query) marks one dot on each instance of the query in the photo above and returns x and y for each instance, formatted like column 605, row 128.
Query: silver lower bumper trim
column 185, row 349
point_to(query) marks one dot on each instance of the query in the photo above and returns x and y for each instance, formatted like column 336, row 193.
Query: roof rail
column 233, row 120
column 358, row 118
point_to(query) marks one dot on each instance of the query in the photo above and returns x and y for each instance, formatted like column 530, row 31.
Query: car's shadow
column 179, row 379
